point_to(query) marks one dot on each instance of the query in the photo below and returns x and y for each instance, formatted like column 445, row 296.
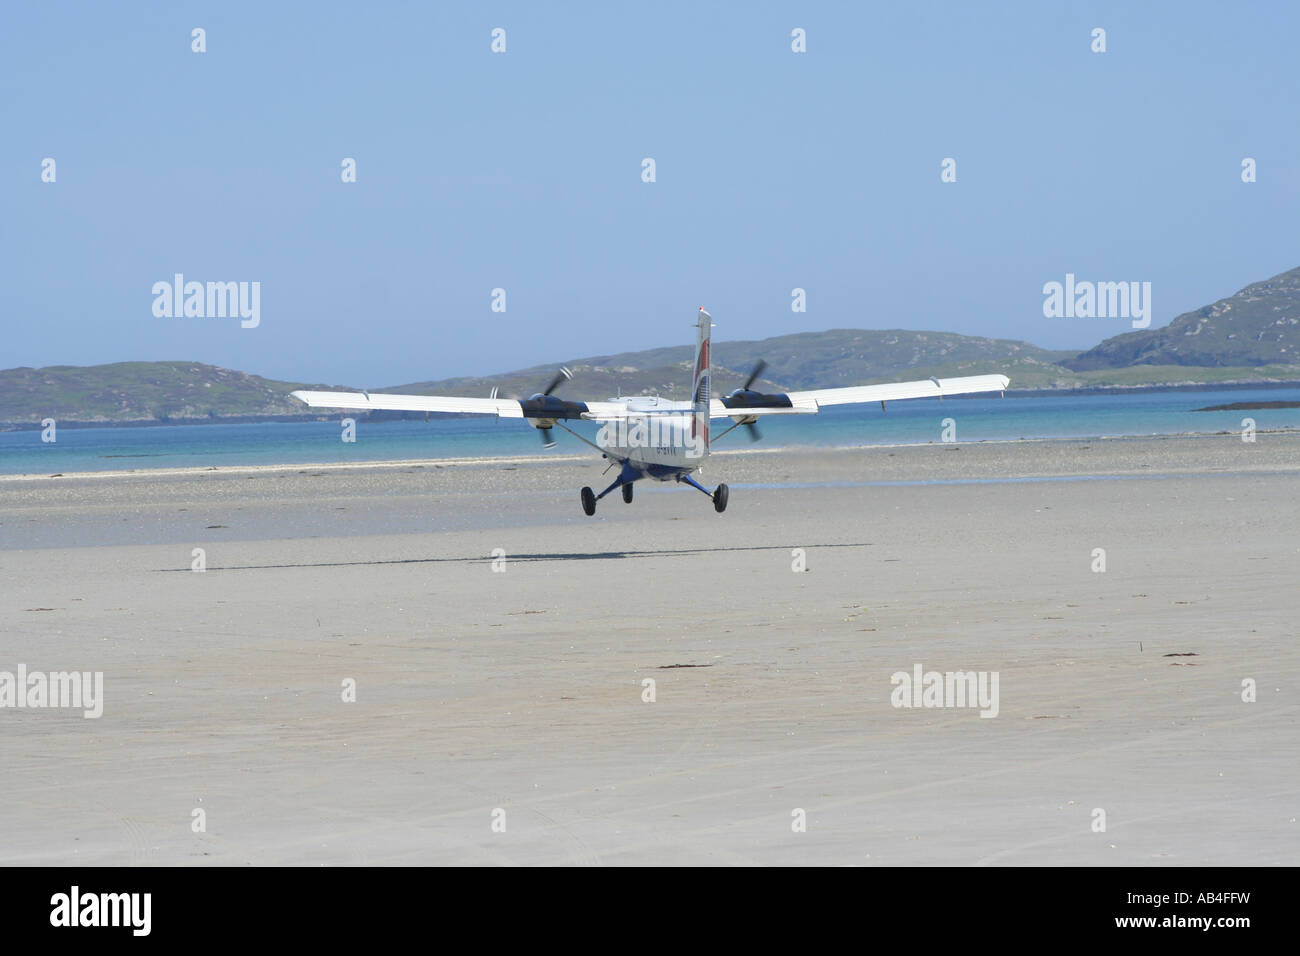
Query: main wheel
column 627, row 492
column 720, row 499
column 588, row 501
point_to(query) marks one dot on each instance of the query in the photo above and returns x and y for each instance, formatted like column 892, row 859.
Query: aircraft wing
column 546, row 407
column 807, row 403
column 376, row 401
column 751, row 403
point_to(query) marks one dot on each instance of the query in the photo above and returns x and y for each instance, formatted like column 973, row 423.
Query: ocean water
column 903, row 423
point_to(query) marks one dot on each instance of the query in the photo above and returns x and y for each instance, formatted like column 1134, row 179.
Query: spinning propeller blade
column 561, row 376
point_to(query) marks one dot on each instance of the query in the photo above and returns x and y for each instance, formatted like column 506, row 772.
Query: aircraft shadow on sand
column 554, row 556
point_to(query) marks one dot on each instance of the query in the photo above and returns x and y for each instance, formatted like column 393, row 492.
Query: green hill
column 1253, row 336
column 800, row 361
column 1260, row 325
column 141, row 392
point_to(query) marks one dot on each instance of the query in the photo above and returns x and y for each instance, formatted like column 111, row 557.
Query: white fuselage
column 664, row 444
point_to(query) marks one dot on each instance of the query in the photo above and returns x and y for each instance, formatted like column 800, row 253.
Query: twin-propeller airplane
column 651, row 438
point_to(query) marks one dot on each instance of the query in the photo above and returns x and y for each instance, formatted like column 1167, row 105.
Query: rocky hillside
column 140, row 391
column 1253, row 336
column 804, row 360
column 1260, row 325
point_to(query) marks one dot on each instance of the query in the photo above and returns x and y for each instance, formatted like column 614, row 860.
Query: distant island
column 1251, row 337
column 1246, row 406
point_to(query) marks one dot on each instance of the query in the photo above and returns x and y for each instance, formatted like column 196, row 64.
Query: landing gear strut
column 718, row 494
column 624, row 480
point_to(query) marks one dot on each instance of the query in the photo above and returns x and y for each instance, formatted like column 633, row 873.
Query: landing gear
column 718, row 494
column 626, row 476
column 720, row 499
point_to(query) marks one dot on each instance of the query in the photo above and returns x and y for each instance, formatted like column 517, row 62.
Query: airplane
column 651, row 438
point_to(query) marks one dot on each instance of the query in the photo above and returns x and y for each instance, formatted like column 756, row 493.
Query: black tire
column 588, row 501
column 720, row 499
column 627, row 492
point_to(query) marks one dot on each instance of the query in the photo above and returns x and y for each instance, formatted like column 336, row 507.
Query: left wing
column 809, row 403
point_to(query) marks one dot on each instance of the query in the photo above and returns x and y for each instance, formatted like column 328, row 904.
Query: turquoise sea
column 1070, row 415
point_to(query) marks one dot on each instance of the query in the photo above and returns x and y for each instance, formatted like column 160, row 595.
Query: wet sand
column 522, row 689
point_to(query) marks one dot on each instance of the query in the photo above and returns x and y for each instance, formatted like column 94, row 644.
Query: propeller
column 563, row 375
column 751, row 427
column 753, row 376
column 746, row 398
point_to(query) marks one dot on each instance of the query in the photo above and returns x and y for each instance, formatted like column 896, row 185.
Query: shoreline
column 487, row 461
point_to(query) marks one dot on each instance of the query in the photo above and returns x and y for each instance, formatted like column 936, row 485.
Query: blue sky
column 522, row 171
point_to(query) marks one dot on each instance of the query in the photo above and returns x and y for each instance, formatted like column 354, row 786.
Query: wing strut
column 603, row 452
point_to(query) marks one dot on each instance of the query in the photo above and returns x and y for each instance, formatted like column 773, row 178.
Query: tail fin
column 700, row 395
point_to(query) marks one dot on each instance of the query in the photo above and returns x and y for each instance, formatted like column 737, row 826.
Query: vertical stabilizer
column 700, row 393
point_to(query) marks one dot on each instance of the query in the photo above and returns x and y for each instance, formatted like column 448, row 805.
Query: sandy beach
column 520, row 687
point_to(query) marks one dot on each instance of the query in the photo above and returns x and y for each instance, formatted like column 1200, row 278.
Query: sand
column 521, row 690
